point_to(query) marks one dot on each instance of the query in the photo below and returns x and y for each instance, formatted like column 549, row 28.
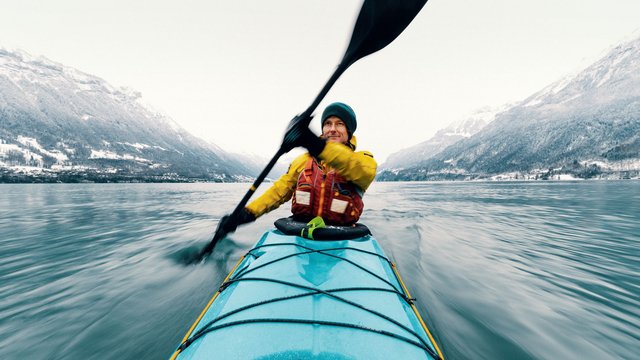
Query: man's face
column 335, row 130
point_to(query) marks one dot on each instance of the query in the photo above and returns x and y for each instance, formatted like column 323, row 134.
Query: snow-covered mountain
column 453, row 133
column 56, row 120
column 586, row 124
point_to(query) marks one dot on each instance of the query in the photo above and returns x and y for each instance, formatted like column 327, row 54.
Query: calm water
column 501, row 270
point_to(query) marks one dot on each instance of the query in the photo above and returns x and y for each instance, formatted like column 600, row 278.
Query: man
column 327, row 181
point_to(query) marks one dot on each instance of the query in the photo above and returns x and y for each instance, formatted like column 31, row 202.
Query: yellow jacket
column 359, row 167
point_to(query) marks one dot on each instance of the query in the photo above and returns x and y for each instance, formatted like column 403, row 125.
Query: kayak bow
column 293, row 298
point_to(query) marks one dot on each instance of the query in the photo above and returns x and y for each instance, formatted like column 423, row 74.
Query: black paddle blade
column 206, row 251
column 379, row 23
column 192, row 256
column 188, row 256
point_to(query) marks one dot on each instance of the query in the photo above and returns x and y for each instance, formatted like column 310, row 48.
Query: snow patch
column 5, row 148
column 33, row 143
column 533, row 102
column 618, row 165
column 28, row 156
column 571, row 98
column 564, row 177
column 551, row 89
column 27, row 141
column 463, row 134
column 110, row 155
column 102, row 154
column 138, row 146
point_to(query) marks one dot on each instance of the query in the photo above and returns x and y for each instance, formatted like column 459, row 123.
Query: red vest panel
column 327, row 195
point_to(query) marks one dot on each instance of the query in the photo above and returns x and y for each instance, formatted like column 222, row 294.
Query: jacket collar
column 352, row 142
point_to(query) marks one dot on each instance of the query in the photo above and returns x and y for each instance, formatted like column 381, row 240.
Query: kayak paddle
column 378, row 24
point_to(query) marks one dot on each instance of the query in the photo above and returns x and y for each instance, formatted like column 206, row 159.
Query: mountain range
column 586, row 125
column 61, row 124
column 450, row 135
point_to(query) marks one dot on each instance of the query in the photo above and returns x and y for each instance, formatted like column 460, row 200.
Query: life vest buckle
column 315, row 223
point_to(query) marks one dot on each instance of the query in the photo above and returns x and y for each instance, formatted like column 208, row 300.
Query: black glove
column 230, row 223
column 298, row 134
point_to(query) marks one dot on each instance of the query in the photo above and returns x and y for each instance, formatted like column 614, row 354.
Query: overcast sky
column 235, row 72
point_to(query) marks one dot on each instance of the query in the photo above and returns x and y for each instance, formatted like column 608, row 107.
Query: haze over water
column 517, row 270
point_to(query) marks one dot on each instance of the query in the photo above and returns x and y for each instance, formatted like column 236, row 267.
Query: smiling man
column 328, row 181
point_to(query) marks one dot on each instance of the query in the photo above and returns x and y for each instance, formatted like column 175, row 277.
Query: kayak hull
column 294, row 298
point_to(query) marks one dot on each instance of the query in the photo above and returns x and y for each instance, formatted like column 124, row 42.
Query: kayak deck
column 291, row 298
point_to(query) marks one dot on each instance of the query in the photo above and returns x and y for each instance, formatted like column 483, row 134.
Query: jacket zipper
column 321, row 203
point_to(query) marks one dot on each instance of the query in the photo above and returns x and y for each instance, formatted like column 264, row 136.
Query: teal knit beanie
column 344, row 112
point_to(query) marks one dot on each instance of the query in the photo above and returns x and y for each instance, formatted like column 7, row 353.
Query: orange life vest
column 326, row 194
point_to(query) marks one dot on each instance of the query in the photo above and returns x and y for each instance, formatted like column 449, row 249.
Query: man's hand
column 298, row 134
column 230, row 223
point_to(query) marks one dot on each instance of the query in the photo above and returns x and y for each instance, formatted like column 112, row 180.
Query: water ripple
column 500, row 270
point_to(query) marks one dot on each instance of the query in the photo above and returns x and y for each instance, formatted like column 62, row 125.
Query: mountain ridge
column 56, row 119
column 443, row 138
column 586, row 125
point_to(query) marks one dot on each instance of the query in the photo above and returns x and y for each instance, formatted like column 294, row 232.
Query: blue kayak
column 294, row 298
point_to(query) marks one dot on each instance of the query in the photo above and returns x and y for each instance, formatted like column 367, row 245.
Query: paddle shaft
column 220, row 233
